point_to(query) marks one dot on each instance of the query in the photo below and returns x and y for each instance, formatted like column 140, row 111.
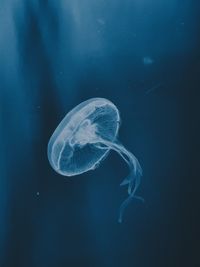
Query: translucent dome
column 83, row 139
column 72, row 149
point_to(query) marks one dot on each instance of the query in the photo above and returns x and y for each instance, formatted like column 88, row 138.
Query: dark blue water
column 142, row 55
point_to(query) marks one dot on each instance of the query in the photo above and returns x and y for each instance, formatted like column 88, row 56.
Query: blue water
column 143, row 56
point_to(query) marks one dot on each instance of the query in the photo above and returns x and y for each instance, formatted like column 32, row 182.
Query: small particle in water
column 155, row 87
column 101, row 21
column 38, row 107
column 148, row 61
column 38, row 193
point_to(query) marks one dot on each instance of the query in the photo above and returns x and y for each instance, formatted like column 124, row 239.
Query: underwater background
column 144, row 56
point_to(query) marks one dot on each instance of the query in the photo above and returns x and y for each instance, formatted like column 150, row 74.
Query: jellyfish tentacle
column 133, row 179
column 133, row 163
column 108, row 147
column 125, row 203
column 123, row 206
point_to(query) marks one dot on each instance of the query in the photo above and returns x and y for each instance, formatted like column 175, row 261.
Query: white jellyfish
column 84, row 138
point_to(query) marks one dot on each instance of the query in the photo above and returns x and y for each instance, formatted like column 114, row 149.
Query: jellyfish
column 84, row 138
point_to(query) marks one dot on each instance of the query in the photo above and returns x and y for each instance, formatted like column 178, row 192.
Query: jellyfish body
column 84, row 138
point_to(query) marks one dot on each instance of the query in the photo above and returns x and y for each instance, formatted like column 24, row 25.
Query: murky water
column 142, row 55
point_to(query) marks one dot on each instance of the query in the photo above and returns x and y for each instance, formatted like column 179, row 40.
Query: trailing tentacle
column 133, row 179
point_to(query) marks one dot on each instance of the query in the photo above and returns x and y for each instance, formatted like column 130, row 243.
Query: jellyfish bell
column 71, row 149
column 84, row 138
